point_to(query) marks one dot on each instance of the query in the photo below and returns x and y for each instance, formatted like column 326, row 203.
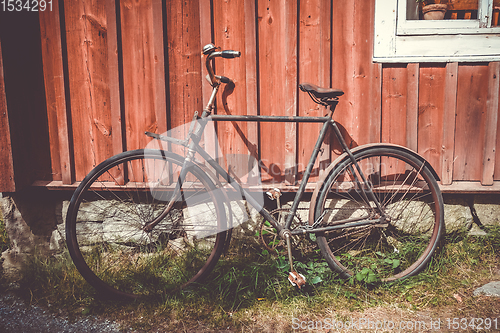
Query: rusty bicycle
column 156, row 220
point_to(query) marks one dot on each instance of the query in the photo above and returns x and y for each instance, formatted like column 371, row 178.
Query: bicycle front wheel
column 106, row 223
column 388, row 249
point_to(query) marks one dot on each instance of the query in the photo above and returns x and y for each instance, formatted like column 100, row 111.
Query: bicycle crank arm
column 296, row 279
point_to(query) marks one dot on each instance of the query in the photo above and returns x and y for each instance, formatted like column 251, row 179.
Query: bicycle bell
column 209, row 48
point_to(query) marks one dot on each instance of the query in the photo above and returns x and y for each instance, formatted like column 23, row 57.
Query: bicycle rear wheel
column 107, row 214
column 410, row 198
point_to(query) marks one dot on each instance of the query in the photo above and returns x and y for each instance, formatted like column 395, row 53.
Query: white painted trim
column 401, row 40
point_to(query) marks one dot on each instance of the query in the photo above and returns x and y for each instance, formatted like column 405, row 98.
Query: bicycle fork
column 183, row 173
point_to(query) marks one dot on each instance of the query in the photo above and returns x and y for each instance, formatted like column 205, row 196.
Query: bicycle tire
column 109, row 209
column 410, row 196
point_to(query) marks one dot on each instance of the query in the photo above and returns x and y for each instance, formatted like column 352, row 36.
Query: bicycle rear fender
column 355, row 151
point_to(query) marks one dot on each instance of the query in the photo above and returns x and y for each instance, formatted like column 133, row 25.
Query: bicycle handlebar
column 210, row 51
column 229, row 54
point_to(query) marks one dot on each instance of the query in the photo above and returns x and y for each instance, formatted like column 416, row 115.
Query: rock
column 22, row 240
column 302, row 212
column 101, row 217
column 20, row 235
column 58, row 238
column 12, row 263
column 477, row 231
column 457, row 215
column 489, row 289
column 487, row 208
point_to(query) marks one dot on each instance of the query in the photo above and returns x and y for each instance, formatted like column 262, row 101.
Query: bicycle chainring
column 271, row 241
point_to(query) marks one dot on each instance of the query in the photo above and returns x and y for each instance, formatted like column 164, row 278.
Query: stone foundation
column 29, row 218
column 34, row 220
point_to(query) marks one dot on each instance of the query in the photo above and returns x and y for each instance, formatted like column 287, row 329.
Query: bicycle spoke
column 109, row 221
column 401, row 237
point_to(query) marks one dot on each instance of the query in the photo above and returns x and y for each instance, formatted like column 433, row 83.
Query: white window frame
column 400, row 40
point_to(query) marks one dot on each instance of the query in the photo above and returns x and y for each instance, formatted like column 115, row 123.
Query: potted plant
column 433, row 10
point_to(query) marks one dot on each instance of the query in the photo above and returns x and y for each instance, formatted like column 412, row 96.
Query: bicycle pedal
column 297, row 279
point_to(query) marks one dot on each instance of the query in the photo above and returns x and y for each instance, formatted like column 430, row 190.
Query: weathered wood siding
column 114, row 69
column 24, row 135
column 6, row 164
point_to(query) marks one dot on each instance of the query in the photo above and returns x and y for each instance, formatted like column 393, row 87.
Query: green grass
column 250, row 291
column 4, row 238
column 4, row 245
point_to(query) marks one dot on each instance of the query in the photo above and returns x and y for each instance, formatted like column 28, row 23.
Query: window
column 469, row 31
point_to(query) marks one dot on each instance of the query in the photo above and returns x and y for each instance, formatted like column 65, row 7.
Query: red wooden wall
column 6, row 164
column 114, row 69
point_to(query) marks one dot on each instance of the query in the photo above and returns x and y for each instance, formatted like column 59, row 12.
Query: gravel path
column 16, row 316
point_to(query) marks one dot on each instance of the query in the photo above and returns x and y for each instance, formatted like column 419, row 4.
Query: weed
column 246, row 291
column 4, row 245
column 4, row 238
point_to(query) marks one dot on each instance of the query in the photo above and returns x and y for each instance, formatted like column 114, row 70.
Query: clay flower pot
column 434, row 11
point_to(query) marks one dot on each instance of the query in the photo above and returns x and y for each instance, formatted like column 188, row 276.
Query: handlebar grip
column 229, row 54
column 225, row 80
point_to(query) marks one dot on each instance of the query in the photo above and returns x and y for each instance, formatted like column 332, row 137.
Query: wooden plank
column 314, row 64
column 430, row 113
column 114, row 75
column 367, row 76
column 229, row 30
column 343, row 70
column 47, row 20
column 462, row 187
column 472, row 91
column 412, row 106
column 274, row 44
column 115, row 104
column 490, row 133
column 184, row 66
column 115, row 83
column 55, row 94
column 496, row 175
column 251, row 85
column 359, row 111
column 139, row 74
column 88, row 83
column 449, row 123
column 394, row 102
column 206, row 37
column 466, row 187
column 289, row 17
column 7, row 182
column 160, row 97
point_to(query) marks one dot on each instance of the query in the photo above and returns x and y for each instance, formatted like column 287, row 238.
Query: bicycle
column 149, row 221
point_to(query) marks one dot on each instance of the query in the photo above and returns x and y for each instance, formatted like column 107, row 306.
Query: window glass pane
column 443, row 9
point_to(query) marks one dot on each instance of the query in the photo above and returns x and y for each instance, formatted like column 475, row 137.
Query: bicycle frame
column 198, row 125
column 194, row 137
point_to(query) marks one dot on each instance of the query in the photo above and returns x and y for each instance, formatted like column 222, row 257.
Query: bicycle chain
column 351, row 233
column 343, row 235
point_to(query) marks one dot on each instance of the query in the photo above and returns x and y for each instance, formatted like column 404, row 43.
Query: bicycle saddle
column 320, row 92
